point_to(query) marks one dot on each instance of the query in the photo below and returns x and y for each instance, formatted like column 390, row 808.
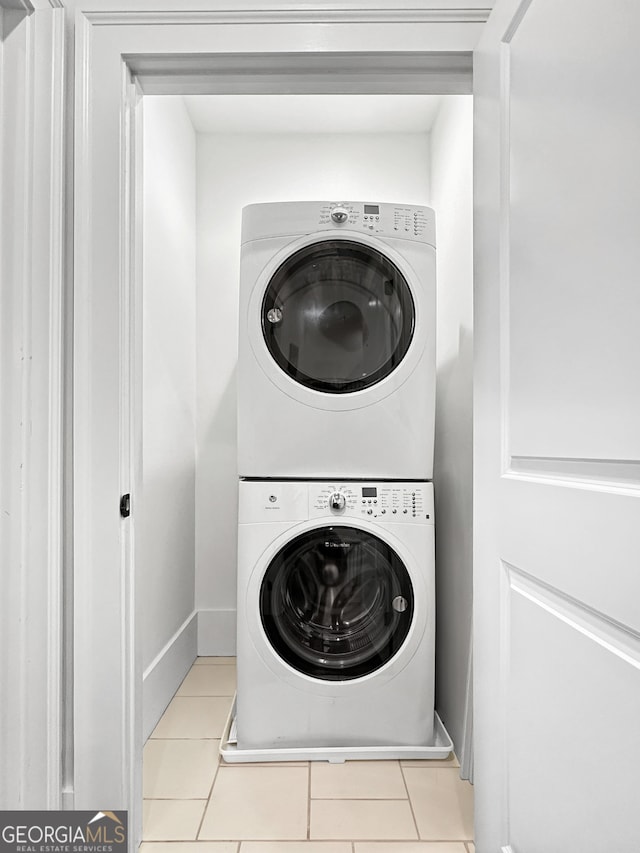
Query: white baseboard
column 217, row 632
column 165, row 673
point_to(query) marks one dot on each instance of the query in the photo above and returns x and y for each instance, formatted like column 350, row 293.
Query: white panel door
column 557, row 428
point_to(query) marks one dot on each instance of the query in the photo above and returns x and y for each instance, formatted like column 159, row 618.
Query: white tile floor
column 194, row 803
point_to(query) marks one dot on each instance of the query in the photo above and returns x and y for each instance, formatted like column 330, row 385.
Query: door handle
column 125, row 505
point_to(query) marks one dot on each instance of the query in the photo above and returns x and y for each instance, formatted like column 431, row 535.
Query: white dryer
column 336, row 363
column 336, row 614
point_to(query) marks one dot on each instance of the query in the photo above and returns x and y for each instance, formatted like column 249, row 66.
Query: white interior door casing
column 105, row 309
column 557, row 428
column 32, row 239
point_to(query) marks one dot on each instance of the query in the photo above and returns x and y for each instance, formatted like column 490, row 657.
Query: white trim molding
column 167, row 670
column 338, row 72
column 31, row 381
column 265, row 17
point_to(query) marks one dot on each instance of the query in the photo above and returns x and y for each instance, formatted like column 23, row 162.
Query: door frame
column 120, row 56
column 34, row 446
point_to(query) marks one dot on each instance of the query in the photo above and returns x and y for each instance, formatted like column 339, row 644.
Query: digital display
column 369, row 492
column 371, row 209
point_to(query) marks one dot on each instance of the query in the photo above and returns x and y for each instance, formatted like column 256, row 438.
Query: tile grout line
column 208, row 801
column 363, row 799
column 413, row 814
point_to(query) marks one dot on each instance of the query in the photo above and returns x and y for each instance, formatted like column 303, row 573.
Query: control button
column 405, row 511
column 384, row 512
column 369, row 512
column 394, row 511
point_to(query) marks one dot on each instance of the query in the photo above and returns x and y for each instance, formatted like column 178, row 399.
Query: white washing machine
column 336, row 363
column 336, row 614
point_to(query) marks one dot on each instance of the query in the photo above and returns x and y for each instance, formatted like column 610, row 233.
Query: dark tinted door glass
column 336, row 603
column 338, row 316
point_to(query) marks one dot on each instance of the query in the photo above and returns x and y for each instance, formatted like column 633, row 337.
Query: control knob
column 337, row 501
column 340, row 215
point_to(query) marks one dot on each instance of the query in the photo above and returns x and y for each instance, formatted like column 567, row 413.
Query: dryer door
column 336, row 603
column 338, row 316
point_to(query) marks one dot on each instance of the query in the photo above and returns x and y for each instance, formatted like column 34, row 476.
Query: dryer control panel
column 412, row 222
column 383, row 501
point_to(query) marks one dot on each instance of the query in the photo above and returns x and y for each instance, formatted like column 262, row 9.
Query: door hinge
column 125, row 506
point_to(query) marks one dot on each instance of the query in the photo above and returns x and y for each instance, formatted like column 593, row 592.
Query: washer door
column 336, row 603
column 338, row 316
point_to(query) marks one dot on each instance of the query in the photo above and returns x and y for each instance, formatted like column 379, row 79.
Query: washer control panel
column 382, row 501
column 411, row 222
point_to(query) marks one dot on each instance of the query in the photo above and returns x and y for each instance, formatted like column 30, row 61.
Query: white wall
column 165, row 509
column 451, row 186
column 234, row 170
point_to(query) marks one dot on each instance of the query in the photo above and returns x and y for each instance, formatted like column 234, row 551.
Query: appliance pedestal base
column 441, row 748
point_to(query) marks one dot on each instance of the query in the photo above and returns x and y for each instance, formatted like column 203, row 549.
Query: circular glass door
column 338, row 316
column 336, row 603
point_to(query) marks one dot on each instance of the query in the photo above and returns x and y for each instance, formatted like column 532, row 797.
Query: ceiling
column 313, row 113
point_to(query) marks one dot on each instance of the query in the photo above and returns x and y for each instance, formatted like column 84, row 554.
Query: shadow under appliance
column 336, row 616
column 336, row 362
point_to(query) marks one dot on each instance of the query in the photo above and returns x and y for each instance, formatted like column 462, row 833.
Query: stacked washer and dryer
column 336, row 399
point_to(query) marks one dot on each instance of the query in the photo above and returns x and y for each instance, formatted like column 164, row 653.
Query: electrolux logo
column 63, row 832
